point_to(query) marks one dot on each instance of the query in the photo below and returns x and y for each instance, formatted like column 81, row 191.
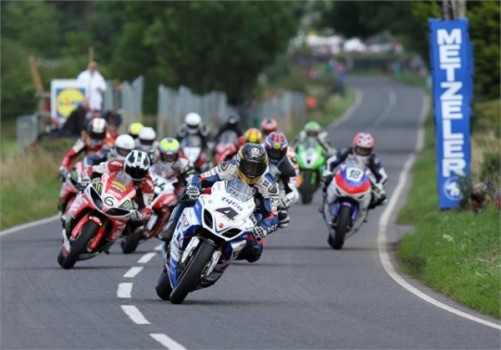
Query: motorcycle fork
column 100, row 233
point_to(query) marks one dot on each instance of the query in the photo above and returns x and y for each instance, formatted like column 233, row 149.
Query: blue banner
column 452, row 84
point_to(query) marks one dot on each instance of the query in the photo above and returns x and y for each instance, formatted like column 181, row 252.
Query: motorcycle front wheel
column 80, row 245
column 192, row 272
column 163, row 287
column 343, row 222
column 306, row 189
column 130, row 242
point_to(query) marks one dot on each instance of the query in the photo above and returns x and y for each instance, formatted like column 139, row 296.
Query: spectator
column 94, row 84
column 114, row 120
column 76, row 122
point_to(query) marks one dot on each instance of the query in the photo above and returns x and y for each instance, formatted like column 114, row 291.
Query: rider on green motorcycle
column 313, row 130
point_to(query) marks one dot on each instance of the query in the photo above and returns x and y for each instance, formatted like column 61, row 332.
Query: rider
column 268, row 125
column 277, row 147
column 314, row 130
column 169, row 155
column 91, row 142
column 193, row 125
column 250, row 167
column 123, row 145
column 253, row 135
column 231, row 124
column 136, row 165
column 363, row 149
column 147, row 142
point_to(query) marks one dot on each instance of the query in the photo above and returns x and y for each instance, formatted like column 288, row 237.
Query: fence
column 26, row 131
column 173, row 105
column 131, row 101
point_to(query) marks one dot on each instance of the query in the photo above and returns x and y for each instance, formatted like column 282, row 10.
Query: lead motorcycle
column 100, row 215
column 208, row 237
column 346, row 204
column 164, row 201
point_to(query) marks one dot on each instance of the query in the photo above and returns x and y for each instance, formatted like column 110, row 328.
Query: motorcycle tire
column 306, row 189
column 163, row 287
column 343, row 222
column 192, row 272
column 130, row 242
column 60, row 258
column 80, row 245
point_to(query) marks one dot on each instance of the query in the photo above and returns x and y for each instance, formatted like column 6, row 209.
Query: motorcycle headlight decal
column 232, row 232
column 96, row 198
column 127, row 205
column 98, row 186
column 208, row 220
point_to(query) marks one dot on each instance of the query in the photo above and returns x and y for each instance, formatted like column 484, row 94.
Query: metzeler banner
column 452, row 80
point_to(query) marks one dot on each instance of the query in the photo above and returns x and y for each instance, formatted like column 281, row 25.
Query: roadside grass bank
column 456, row 252
column 29, row 186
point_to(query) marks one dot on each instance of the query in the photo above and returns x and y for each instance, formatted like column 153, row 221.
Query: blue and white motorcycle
column 208, row 237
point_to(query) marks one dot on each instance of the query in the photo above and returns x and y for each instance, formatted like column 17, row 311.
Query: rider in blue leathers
column 250, row 167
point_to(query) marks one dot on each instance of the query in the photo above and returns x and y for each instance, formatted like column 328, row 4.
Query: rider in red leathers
column 91, row 142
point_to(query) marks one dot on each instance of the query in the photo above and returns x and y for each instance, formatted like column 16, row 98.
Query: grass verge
column 457, row 253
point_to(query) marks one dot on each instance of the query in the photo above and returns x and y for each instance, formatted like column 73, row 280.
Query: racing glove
column 63, row 173
column 191, row 193
column 84, row 182
column 258, row 232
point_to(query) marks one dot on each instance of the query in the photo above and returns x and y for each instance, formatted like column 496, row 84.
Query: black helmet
column 252, row 162
column 97, row 129
column 137, row 163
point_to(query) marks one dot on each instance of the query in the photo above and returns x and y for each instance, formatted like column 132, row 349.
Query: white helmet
column 193, row 121
column 137, row 163
column 146, row 138
column 123, row 145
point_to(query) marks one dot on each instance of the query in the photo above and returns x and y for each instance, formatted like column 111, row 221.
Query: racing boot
column 252, row 250
column 170, row 226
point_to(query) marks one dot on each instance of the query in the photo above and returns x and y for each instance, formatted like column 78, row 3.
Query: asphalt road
column 300, row 295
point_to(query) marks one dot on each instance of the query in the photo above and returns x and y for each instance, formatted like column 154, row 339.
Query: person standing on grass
column 95, row 85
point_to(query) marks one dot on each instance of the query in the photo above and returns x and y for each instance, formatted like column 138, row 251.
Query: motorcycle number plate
column 354, row 174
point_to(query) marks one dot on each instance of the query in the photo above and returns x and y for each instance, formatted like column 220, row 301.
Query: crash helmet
column 135, row 129
column 169, row 150
column 193, row 122
column 276, row 146
column 146, row 138
column 136, row 165
column 268, row 125
column 312, row 129
column 97, row 129
column 252, row 162
column 123, row 145
column 253, row 135
column 363, row 144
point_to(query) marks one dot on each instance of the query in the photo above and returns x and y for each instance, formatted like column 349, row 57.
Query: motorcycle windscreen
column 239, row 190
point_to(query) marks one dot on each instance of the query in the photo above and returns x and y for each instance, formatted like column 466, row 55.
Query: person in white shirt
column 94, row 84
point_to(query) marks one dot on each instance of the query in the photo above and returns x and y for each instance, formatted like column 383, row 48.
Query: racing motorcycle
column 164, row 201
column 347, row 201
column 69, row 188
column 207, row 238
column 100, row 215
column 191, row 148
column 310, row 159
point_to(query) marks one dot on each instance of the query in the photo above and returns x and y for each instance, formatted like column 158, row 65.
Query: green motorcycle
column 311, row 161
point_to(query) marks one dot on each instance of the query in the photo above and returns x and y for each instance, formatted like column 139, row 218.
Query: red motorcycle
column 163, row 203
column 100, row 215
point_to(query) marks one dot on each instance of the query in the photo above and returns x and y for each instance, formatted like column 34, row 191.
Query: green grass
column 457, row 253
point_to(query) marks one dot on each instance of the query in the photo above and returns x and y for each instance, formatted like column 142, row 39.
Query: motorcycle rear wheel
column 306, row 189
column 343, row 222
column 80, row 245
column 192, row 272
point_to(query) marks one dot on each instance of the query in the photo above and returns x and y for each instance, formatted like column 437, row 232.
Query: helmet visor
column 363, row 151
column 252, row 169
column 312, row 133
column 274, row 153
column 146, row 142
column 168, row 157
column 122, row 151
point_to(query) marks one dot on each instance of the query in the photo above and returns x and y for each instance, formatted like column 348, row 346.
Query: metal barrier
column 288, row 109
column 173, row 105
column 131, row 102
column 26, row 131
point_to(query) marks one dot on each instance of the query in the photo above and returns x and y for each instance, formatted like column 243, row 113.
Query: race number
column 354, row 174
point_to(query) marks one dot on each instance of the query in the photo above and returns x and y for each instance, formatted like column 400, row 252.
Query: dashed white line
column 134, row 314
column 159, row 247
column 124, row 290
column 146, row 257
column 133, row 271
column 169, row 343
column 383, row 243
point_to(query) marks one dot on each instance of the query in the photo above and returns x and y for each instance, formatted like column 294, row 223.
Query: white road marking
column 158, row 247
column 169, row 343
column 28, row 225
column 134, row 314
column 133, row 271
column 392, row 101
column 146, row 257
column 124, row 290
column 383, row 224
